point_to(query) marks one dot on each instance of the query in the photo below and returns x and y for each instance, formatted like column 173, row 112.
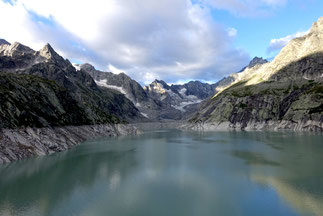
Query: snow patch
column 183, row 91
column 181, row 106
column 103, row 83
column 144, row 114
column 192, row 98
column 163, row 97
column 77, row 67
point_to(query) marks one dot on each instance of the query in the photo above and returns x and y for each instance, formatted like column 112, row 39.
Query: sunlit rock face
column 283, row 94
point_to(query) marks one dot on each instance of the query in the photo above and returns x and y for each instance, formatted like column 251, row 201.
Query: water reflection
column 172, row 173
column 303, row 201
column 253, row 158
column 45, row 183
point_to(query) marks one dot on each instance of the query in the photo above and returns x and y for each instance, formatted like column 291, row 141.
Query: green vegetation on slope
column 27, row 100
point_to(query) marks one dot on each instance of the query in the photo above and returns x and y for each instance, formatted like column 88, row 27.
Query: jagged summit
column 3, row 41
column 87, row 67
column 297, row 49
column 49, row 53
column 160, row 82
column 304, row 46
column 317, row 26
column 15, row 49
column 254, row 62
column 257, row 61
column 16, row 46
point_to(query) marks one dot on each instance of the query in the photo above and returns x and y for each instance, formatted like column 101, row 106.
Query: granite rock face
column 17, row 144
column 286, row 93
column 31, row 101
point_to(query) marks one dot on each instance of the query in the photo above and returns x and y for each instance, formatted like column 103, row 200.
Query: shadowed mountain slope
column 83, row 96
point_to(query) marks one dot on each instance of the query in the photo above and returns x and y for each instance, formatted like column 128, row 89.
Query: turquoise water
column 172, row 173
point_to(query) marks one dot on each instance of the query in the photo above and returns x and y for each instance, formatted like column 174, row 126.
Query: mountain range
column 158, row 101
column 47, row 104
column 34, row 82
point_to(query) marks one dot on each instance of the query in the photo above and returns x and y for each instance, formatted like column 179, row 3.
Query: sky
column 172, row 40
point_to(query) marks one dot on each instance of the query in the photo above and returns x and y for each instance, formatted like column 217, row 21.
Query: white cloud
column 278, row 44
column 232, row 32
column 114, row 70
column 170, row 39
column 16, row 25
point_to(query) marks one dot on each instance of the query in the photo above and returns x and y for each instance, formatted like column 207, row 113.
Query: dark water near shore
column 172, row 173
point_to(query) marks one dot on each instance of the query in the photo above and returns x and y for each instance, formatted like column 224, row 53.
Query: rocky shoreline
column 304, row 126
column 17, row 144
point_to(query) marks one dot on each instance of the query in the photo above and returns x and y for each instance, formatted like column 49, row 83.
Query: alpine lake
column 172, row 172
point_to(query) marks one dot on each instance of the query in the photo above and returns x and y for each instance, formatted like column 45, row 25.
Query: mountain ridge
column 158, row 100
column 96, row 103
column 286, row 93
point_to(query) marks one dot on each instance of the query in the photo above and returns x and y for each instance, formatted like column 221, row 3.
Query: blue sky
column 255, row 33
column 173, row 40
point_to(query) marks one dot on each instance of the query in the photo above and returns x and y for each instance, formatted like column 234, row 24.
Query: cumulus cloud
column 31, row 29
column 277, row 44
column 170, row 39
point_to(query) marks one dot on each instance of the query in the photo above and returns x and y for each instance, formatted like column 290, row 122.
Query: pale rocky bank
column 17, row 144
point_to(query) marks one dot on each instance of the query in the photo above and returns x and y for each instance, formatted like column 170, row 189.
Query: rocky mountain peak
column 195, row 82
column 257, row 61
column 3, row 41
column 160, row 83
column 15, row 49
column 20, row 47
column 317, row 26
column 292, row 82
column 87, row 67
column 297, row 49
column 49, row 53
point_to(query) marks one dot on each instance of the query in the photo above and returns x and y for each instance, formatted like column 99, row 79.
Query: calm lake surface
column 172, row 172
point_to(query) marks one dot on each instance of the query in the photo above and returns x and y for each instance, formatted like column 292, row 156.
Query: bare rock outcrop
column 17, row 144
